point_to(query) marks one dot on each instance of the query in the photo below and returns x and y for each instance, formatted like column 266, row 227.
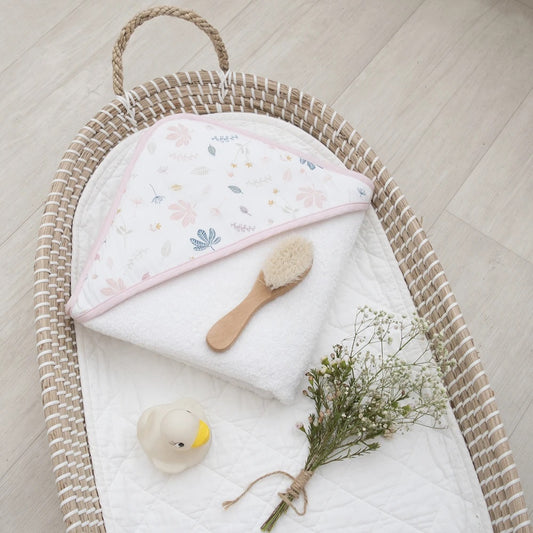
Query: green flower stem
column 365, row 390
column 276, row 514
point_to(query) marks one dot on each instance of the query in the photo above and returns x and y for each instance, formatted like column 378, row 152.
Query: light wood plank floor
column 441, row 89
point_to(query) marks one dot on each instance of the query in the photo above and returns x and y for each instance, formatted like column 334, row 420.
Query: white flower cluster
column 366, row 389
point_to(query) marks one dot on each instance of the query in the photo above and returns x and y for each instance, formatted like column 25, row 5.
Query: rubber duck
column 174, row 436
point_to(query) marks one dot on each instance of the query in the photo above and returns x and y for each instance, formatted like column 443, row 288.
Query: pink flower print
column 137, row 201
column 184, row 211
column 311, row 196
column 115, row 287
column 180, row 134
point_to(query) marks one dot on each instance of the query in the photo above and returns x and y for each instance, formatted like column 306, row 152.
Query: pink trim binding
column 218, row 254
column 223, row 252
column 108, row 220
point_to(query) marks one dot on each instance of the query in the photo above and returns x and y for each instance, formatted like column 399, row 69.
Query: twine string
column 296, row 488
column 223, row 88
column 128, row 101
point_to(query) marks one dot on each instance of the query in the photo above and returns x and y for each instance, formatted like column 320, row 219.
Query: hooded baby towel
column 195, row 208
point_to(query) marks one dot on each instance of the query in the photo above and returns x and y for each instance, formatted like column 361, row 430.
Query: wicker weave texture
column 205, row 92
column 171, row 11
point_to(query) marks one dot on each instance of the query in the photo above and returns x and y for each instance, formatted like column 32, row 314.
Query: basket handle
column 147, row 14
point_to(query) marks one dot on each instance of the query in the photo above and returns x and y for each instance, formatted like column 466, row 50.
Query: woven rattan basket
column 220, row 91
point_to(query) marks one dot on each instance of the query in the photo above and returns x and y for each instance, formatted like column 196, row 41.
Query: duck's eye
column 181, row 445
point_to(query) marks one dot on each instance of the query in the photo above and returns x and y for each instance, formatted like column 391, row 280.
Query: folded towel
column 214, row 192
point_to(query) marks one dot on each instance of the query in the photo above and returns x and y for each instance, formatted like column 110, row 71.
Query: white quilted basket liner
column 421, row 481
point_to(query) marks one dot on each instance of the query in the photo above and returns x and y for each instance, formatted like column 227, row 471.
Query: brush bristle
column 288, row 262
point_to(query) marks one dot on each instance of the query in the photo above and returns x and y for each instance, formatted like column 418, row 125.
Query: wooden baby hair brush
column 286, row 266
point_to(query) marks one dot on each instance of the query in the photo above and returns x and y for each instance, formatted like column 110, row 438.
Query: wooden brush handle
column 225, row 332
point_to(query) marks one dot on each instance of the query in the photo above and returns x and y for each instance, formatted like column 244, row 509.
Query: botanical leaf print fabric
column 195, row 191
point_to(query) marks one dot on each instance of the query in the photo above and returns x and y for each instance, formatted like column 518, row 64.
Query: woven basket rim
column 205, row 92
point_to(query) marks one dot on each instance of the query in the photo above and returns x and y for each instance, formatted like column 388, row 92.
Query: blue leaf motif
column 198, row 245
column 311, row 165
column 157, row 199
column 212, row 150
column 235, row 189
column 205, row 240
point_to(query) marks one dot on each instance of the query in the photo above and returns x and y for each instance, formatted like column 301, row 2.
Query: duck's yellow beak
column 202, row 436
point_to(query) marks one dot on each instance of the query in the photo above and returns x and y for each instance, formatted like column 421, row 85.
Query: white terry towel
column 151, row 293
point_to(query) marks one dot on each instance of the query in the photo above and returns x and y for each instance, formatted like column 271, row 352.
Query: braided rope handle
column 147, row 14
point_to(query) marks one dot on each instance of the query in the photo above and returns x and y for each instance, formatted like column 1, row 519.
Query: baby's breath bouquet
column 366, row 389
